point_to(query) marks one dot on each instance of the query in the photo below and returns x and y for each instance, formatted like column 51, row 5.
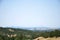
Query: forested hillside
column 22, row 34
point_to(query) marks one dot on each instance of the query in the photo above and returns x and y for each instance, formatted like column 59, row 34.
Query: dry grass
column 42, row 38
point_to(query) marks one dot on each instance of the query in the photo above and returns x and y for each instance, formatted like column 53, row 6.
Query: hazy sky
column 30, row 13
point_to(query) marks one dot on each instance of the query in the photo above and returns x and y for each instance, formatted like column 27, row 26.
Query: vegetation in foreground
column 22, row 34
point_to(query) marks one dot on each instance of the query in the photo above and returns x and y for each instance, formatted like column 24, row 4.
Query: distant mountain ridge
column 36, row 28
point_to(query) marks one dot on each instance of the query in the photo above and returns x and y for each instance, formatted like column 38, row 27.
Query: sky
column 30, row 13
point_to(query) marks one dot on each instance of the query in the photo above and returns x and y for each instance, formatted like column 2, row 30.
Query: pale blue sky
column 30, row 13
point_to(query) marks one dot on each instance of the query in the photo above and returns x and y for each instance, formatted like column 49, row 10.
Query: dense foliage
column 21, row 34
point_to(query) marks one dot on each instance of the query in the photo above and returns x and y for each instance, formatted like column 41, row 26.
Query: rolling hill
column 26, row 34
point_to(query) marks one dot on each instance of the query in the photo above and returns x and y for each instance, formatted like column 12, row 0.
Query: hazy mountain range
column 36, row 28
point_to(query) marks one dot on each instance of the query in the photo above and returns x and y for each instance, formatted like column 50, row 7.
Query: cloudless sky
column 30, row 13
